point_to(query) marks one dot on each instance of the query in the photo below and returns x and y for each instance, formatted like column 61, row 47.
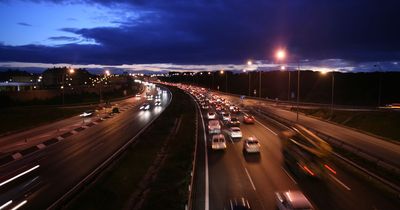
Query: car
column 251, row 145
column 291, row 200
column 214, row 126
column 211, row 115
column 238, row 204
column 218, row 142
column 235, row 110
column 234, row 122
column 248, row 119
column 235, row 132
column 226, row 116
column 145, row 106
column 87, row 113
column 205, row 107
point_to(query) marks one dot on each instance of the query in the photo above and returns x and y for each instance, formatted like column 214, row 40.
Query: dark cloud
column 222, row 31
column 24, row 24
column 63, row 38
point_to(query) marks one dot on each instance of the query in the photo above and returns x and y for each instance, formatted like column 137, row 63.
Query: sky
column 339, row 35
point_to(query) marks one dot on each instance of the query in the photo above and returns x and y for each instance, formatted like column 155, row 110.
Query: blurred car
column 145, row 106
column 234, row 122
column 87, row 113
column 205, row 107
column 226, row 116
column 218, row 142
column 248, row 119
column 235, row 132
column 292, row 200
column 238, row 204
column 214, row 126
column 211, row 115
column 251, row 145
column 235, row 110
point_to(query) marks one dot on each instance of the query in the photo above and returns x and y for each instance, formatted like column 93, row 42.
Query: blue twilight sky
column 341, row 35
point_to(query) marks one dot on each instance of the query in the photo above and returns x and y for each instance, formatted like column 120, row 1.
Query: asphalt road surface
column 67, row 162
column 223, row 175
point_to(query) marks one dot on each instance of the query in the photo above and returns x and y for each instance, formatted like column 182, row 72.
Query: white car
column 214, row 126
column 235, row 132
column 226, row 117
column 211, row 115
column 145, row 106
column 291, row 200
column 251, row 145
column 218, row 142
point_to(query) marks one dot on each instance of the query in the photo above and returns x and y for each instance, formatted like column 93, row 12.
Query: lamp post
column 249, row 63
column 332, row 89
column 226, row 79
column 379, row 83
column 280, row 55
column 70, row 71
column 106, row 73
column 298, row 91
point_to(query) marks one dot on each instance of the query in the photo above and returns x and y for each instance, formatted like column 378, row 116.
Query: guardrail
column 387, row 165
column 189, row 205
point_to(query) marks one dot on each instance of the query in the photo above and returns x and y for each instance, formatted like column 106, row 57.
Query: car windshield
column 235, row 129
column 234, row 119
column 252, row 142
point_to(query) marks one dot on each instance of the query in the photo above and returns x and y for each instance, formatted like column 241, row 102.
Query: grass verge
column 382, row 123
column 114, row 188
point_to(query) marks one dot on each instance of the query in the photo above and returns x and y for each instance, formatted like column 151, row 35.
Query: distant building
column 57, row 77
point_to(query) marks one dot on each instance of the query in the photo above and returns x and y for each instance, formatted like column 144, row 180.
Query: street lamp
column 70, row 71
column 333, row 88
column 226, row 79
column 379, row 83
column 106, row 73
column 249, row 63
column 280, row 55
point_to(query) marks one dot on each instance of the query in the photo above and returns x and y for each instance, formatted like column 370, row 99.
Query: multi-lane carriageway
column 221, row 176
column 44, row 178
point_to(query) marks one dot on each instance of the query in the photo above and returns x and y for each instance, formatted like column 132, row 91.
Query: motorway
column 223, row 175
column 66, row 163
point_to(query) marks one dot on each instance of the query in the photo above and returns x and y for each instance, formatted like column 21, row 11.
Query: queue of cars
column 221, row 112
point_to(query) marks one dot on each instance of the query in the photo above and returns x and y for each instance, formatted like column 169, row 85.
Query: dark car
column 238, row 204
column 234, row 122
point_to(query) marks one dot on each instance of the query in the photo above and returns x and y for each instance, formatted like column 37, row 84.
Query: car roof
column 297, row 199
column 235, row 128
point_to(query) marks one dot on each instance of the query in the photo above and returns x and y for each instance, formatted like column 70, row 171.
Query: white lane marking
column 74, row 132
column 266, row 128
column 340, row 182
column 5, row 205
column 287, row 173
column 19, row 205
column 60, row 138
column 251, row 181
column 19, row 175
column 207, row 194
